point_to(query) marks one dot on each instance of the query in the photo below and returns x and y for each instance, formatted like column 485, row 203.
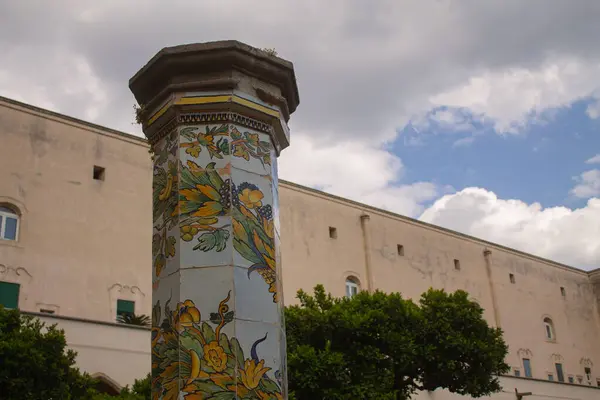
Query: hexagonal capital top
column 214, row 66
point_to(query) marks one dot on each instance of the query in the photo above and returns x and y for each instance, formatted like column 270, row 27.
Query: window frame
column 549, row 331
column 18, row 286
column 124, row 301
column 560, row 373
column 352, row 283
column 527, row 368
column 7, row 211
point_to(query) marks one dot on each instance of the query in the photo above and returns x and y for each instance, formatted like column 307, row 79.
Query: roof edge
column 74, row 120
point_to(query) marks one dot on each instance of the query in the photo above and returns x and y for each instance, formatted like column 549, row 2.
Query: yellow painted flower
column 215, row 356
column 253, row 373
column 251, row 198
column 186, row 315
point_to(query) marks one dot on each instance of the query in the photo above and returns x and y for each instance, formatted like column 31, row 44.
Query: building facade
column 75, row 249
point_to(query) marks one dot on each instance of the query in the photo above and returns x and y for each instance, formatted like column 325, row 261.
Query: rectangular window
column 400, row 250
column 588, row 373
column 511, row 277
column 563, row 292
column 559, row 372
column 456, row 264
column 9, row 294
column 332, row 232
column 579, row 379
column 517, row 372
column 550, row 377
column 125, row 307
column 99, row 173
column 571, row 379
column 598, row 382
column 527, row 367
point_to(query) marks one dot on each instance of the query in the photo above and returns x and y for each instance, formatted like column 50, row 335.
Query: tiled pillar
column 216, row 117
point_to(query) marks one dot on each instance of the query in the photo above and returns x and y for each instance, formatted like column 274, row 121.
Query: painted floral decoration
column 206, row 360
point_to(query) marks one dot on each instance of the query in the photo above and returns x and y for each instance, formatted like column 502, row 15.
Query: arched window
column 352, row 286
column 9, row 223
column 549, row 329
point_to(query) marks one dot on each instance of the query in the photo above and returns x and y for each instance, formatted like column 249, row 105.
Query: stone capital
column 223, row 76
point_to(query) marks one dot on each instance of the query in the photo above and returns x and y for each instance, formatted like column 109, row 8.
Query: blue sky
column 536, row 165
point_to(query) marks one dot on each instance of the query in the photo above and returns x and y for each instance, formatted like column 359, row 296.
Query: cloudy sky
column 480, row 116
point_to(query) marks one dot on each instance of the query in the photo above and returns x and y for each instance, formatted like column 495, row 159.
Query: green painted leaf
column 245, row 251
column 189, row 342
column 236, row 349
column 225, row 343
column 269, row 386
column 223, row 146
column 213, row 240
column 188, row 133
column 229, row 316
column 266, row 146
column 222, row 129
column 235, row 134
column 156, row 239
column 215, row 318
column 223, row 396
column 208, row 332
column 205, row 387
column 170, row 246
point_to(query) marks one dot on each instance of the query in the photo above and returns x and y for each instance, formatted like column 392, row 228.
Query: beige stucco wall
column 82, row 243
column 85, row 243
column 119, row 352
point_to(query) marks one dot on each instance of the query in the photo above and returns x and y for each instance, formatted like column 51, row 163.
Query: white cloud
column 466, row 141
column 353, row 170
column 64, row 82
column 515, row 97
column 593, row 109
column 558, row 233
column 594, row 160
column 588, row 184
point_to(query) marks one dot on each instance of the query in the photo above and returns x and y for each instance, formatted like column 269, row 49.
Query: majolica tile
column 205, row 145
column 282, row 376
column 254, row 297
column 252, row 219
column 165, row 249
column 206, row 245
column 210, row 291
column 261, row 345
column 251, row 150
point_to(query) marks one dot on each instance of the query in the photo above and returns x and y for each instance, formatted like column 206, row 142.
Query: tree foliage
column 34, row 363
column 381, row 346
column 141, row 390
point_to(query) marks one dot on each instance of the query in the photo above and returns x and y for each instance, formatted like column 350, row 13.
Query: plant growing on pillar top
column 208, row 363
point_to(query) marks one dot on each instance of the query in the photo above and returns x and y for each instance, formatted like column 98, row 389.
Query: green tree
column 34, row 363
column 141, row 390
column 381, row 346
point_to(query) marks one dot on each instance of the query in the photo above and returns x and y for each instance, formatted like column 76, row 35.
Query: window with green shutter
column 9, row 294
column 125, row 307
